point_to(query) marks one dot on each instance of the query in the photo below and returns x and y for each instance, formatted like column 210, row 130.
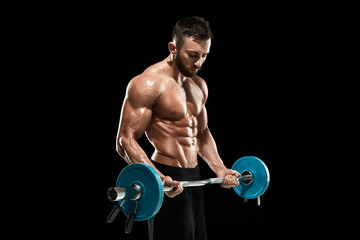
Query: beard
column 184, row 70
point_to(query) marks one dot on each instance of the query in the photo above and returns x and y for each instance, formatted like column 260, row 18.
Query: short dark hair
column 196, row 27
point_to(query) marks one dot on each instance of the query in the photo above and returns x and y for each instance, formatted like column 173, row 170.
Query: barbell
column 139, row 191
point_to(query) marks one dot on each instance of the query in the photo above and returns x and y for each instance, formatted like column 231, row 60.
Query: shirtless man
column 167, row 102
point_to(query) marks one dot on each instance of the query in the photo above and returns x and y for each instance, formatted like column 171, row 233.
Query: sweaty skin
column 168, row 105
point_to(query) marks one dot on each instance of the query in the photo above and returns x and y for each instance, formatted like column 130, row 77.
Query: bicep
column 136, row 112
column 134, row 121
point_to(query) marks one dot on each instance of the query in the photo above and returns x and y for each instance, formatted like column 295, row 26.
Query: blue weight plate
column 261, row 177
column 152, row 194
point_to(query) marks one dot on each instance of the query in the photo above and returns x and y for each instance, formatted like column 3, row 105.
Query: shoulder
column 145, row 89
column 200, row 82
column 146, row 81
column 152, row 79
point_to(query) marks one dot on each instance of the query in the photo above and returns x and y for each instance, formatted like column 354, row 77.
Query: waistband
column 177, row 173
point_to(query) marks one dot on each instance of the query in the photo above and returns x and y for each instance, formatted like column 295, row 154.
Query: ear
column 172, row 48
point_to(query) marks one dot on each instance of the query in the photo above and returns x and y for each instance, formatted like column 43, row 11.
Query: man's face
column 191, row 56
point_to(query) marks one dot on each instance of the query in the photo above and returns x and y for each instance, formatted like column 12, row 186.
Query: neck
column 178, row 77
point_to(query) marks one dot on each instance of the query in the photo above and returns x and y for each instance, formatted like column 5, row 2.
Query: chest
column 179, row 100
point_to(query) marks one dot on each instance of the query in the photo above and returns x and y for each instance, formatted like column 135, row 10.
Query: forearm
column 208, row 151
column 131, row 152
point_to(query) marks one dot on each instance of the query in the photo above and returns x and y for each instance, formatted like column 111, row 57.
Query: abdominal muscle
column 175, row 142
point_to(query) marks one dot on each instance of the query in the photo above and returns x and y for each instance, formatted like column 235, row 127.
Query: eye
column 192, row 55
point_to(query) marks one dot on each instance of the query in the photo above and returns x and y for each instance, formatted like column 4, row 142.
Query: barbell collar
column 133, row 192
column 116, row 193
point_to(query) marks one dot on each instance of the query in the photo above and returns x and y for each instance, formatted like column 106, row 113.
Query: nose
column 198, row 63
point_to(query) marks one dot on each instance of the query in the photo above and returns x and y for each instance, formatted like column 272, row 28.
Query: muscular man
column 167, row 102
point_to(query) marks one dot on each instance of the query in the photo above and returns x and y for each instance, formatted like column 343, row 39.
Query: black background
column 283, row 86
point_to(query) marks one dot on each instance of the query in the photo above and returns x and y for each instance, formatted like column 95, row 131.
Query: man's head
column 191, row 40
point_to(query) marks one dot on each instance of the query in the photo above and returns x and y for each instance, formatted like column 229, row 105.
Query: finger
column 230, row 181
column 179, row 189
column 235, row 181
column 176, row 191
column 226, row 186
column 226, row 182
column 236, row 173
column 176, row 184
column 170, row 194
column 167, row 181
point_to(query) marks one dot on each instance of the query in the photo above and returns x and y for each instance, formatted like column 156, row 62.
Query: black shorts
column 181, row 217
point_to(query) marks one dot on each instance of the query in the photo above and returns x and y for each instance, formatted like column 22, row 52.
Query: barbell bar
column 134, row 191
column 139, row 191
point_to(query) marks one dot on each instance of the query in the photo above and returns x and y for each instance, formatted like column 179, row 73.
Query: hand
column 231, row 178
column 177, row 187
